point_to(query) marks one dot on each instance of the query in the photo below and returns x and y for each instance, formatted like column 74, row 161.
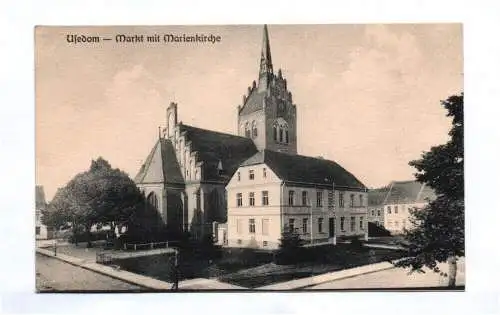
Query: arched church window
column 152, row 200
column 247, row 130
column 254, row 129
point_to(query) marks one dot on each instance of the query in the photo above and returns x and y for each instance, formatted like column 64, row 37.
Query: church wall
column 157, row 188
column 260, row 120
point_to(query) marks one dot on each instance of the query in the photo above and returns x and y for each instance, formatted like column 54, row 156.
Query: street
column 395, row 278
column 52, row 274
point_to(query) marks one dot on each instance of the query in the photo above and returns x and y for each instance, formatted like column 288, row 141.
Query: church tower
column 267, row 114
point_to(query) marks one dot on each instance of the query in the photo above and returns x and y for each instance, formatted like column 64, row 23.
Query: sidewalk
column 137, row 279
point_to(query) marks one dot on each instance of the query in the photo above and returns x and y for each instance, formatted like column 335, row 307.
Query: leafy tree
column 290, row 247
column 438, row 232
column 100, row 195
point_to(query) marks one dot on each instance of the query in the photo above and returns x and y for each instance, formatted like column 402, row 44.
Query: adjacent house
column 376, row 199
column 272, row 191
column 402, row 196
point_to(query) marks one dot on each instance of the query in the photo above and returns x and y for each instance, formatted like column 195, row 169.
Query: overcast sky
column 367, row 96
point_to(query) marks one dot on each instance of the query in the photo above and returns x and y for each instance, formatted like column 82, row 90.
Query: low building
column 272, row 191
column 41, row 231
column 401, row 197
column 376, row 199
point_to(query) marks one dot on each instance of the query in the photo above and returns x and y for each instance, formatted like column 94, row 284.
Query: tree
column 438, row 232
column 290, row 247
column 100, row 195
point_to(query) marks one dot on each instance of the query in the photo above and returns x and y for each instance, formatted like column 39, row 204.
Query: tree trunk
column 452, row 271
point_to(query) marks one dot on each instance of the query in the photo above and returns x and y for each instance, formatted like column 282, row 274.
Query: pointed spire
column 266, row 51
column 266, row 63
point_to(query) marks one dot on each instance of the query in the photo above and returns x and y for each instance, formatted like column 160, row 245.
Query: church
column 207, row 182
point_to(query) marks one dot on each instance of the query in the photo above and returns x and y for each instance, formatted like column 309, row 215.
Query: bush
column 376, row 230
column 94, row 236
column 290, row 250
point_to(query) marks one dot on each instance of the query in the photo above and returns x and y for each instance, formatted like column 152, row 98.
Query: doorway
column 331, row 227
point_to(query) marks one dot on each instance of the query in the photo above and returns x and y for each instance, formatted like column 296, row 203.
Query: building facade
column 270, row 193
column 401, row 197
column 376, row 198
column 200, row 180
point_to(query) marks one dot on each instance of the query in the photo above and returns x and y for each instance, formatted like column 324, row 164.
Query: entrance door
column 331, row 227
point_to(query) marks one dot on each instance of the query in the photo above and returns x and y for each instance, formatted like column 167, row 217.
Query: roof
column 409, row 192
column 254, row 102
column 305, row 169
column 39, row 197
column 214, row 147
column 160, row 165
column 377, row 196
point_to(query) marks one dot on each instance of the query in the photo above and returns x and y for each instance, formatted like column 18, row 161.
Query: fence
column 103, row 258
column 127, row 246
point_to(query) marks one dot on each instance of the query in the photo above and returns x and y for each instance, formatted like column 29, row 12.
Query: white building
column 41, row 231
column 402, row 196
column 272, row 191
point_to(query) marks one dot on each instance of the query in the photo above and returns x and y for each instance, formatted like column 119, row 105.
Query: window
column 247, row 131
column 304, row 198
column 238, row 226
column 291, row 194
column 264, row 243
column 37, row 230
column 378, row 213
column 264, row 172
column 352, row 200
column 238, row 241
column 239, row 199
column 251, row 199
column 395, row 209
column 304, row 225
column 153, row 200
column 254, row 129
column 281, row 135
column 361, row 201
column 265, row 226
column 286, row 136
column 341, row 200
column 389, row 209
column 361, row 223
column 291, row 224
column 275, row 133
column 353, row 224
column 319, row 198
column 265, row 198
column 342, row 223
column 239, row 176
column 251, row 226
column 251, row 175
column 373, row 213
column 320, row 225
column 37, row 216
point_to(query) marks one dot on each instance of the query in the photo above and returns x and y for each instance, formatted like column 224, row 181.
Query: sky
column 367, row 96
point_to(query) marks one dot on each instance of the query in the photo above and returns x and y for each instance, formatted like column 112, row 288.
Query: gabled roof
column 40, row 197
column 377, row 196
column 254, row 102
column 160, row 165
column 409, row 192
column 305, row 169
column 214, row 147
